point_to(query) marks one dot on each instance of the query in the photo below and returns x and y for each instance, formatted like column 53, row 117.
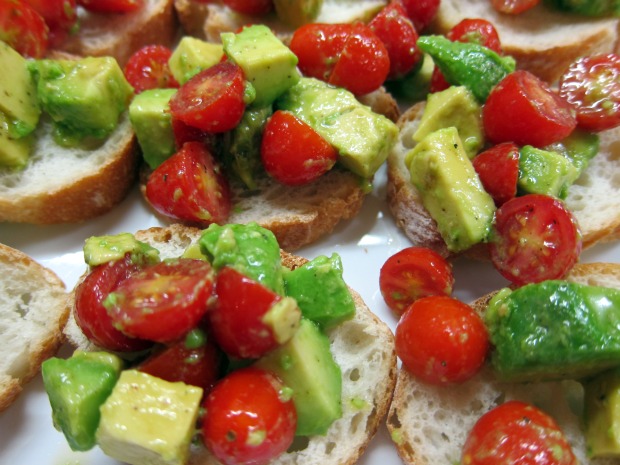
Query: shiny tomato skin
column 498, row 170
column 212, row 100
column 90, row 314
column 398, row 34
column 414, row 273
column 190, row 187
column 592, row 86
column 438, row 81
column 534, row 238
column 111, row 6
column 292, row 152
column 23, row 28
column 250, row 7
column 148, row 68
column 421, row 12
column 441, row 340
column 478, row 31
column 513, row 7
column 162, row 302
column 517, row 433
column 246, row 405
column 523, row 109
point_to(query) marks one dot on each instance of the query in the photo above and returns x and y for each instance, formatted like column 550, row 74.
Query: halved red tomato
column 148, row 68
column 23, row 28
column 513, row 7
column 498, row 170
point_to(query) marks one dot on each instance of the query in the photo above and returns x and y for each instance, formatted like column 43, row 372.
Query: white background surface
column 27, row 436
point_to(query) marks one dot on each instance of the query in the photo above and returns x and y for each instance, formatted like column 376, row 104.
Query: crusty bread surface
column 542, row 40
column 69, row 185
column 429, row 425
column 363, row 347
column 33, row 312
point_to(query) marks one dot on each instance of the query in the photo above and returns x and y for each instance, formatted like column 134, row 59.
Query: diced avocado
column 589, row 7
column 85, row 97
column 455, row 106
column 554, row 329
column 19, row 102
column 249, row 248
column 297, row 12
column 149, row 114
column 545, row 172
column 267, row 63
column 362, row 138
column 602, row 414
column 147, row 420
column 77, row 387
column 306, row 365
column 450, row 189
column 14, row 152
column 191, row 56
column 103, row 249
column 579, row 147
column 415, row 86
column 320, row 291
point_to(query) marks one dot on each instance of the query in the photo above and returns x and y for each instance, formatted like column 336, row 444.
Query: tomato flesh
column 23, row 28
column 250, row 7
column 513, row 7
column 441, row 340
column 414, row 273
column 111, row 6
column 59, row 15
column 148, row 68
column 535, row 238
column 517, row 432
column 421, row 12
column 292, row 152
column 249, row 418
column 498, row 170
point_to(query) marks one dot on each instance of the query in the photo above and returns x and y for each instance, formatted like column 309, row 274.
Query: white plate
column 364, row 243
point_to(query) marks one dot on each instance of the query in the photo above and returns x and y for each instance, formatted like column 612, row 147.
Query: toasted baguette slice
column 597, row 212
column 62, row 185
column 429, row 425
column 120, row 35
column 542, row 40
column 33, row 312
column 363, row 347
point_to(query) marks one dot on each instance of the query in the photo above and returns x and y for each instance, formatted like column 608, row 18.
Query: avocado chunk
column 148, row 420
column 455, row 106
column 296, row 13
column 579, row 147
column 76, row 388
column 248, row 248
column 554, row 329
column 602, row 414
column 306, row 365
column 362, row 138
column 150, row 118
column 267, row 63
column 545, row 172
column 14, row 152
column 103, row 249
column 597, row 8
column 85, row 97
column 450, row 189
column 193, row 55
column 19, row 103
column 320, row 291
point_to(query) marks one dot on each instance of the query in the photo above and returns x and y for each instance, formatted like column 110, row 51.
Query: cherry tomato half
column 111, row 6
column 513, row 7
column 148, row 68
column 292, row 152
column 535, row 238
column 250, row 7
column 212, row 100
column 90, row 314
column 190, row 187
column 517, row 432
column 59, row 15
column 592, row 86
column 421, row 12
column 441, row 340
column 162, row 302
column 249, row 418
column 498, row 170
column 23, row 28
column 523, row 109
column 413, row 273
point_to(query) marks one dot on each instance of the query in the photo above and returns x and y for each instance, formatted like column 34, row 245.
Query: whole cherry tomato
column 190, row 187
column 148, row 68
column 250, row 7
column 534, row 238
column 413, row 273
column 162, row 302
column 421, row 12
column 513, row 7
column 249, row 418
column 59, row 15
column 90, row 314
column 517, row 432
column 212, row 100
column 111, row 6
column 441, row 340
column 592, row 86
column 23, row 28
column 498, row 170
column 292, row 152
column 523, row 109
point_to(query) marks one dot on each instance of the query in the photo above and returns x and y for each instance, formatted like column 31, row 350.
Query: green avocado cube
column 103, row 249
column 76, row 388
column 545, row 172
column 14, row 152
column 602, row 414
column 296, row 13
column 193, row 55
